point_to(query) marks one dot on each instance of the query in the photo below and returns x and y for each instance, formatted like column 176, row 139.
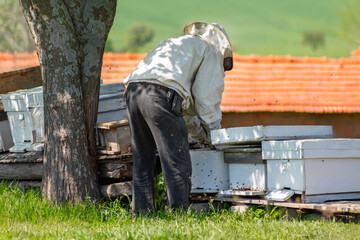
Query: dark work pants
column 154, row 125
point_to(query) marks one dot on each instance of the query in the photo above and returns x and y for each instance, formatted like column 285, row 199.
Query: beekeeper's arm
column 207, row 92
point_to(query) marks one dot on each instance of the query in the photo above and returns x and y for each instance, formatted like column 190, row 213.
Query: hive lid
column 311, row 149
column 243, row 193
column 245, row 135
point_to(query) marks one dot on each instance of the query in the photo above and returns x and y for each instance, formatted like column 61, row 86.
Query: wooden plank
column 109, row 152
column 343, row 207
column 110, row 103
column 37, row 157
column 112, row 124
column 20, row 79
column 116, row 189
column 123, row 157
column 115, row 169
column 29, row 166
column 111, row 116
column 28, row 157
column 21, row 171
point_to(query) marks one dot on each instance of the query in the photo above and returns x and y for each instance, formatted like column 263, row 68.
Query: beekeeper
column 181, row 79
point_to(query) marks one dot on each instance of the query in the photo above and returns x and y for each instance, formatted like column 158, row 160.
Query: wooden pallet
column 329, row 207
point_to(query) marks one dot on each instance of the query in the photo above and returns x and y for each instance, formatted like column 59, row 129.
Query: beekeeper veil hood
column 215, row 35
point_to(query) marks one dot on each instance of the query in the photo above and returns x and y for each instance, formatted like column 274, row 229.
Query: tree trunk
column 70, row 38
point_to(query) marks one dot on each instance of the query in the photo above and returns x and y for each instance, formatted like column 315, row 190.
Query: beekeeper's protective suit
column 183, row 74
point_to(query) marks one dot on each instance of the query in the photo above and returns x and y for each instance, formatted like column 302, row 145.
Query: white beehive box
column 243, row 135
column 319, row 169
column 25, row 113
column 246, row 169
column 209, row 171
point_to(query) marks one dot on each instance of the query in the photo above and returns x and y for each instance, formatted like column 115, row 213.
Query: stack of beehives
column 239, row 166
column 114, row 142
column 279, row 161
column 24, row 162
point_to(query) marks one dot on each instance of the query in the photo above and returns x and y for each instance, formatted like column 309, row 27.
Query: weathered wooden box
column 112, row 106
column 209, row 171
column 243, row 135
column 318, row 169
column 115, row 137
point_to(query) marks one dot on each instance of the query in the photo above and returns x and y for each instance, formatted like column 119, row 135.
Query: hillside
column 260, row 27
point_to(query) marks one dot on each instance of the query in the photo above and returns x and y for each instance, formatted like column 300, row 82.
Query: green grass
column 23, row 215
column 255, row 27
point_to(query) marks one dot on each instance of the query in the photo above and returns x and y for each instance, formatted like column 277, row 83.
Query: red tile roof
column 264, row 83
column 290, row 84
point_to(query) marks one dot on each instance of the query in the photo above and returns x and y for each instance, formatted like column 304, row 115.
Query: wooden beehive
column 115, row 137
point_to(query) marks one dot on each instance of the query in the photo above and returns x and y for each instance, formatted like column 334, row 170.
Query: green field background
column 262, row 27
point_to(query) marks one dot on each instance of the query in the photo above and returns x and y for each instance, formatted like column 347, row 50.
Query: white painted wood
column 37, row 116
column 296, row 132
column 237, row 135
column 325, row 176
column 241, row 135
column 290, row 154
column 243, row 193
column 112, row 107
column 323, row 169
column 21, row 126
column 334, row 144
column 26, row 117
column 311, row 148
column 20, row 147
column 209, row 172
column 34, row 97
column 285, row 174
column 279, row 195
column 333, row 197
column 331, row 153
column 247, row 176
column 22, row 100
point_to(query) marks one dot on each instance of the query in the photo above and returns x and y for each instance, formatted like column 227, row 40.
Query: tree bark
column 70, row 38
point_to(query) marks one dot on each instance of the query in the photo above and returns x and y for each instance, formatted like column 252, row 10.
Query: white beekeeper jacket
column 193, row 67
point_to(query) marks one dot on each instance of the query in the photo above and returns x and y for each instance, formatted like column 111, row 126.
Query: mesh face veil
column 215, row 35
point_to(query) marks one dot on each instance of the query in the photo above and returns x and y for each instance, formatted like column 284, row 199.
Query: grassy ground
column 255, row 27
column 23, row 215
